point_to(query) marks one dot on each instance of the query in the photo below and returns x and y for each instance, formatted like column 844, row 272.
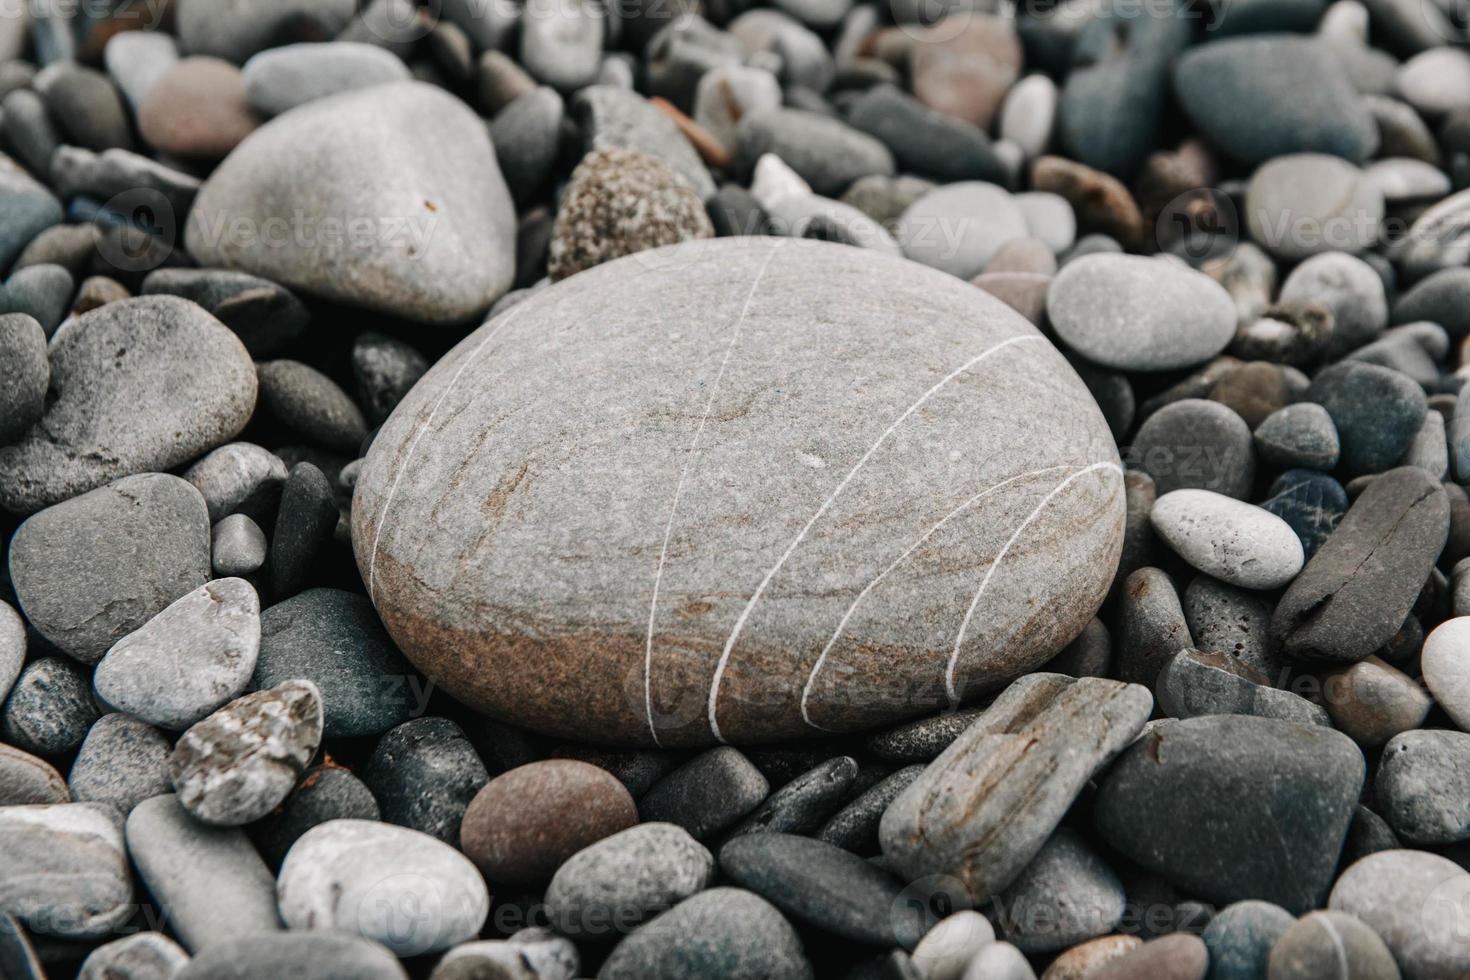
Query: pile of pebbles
column 235, row 233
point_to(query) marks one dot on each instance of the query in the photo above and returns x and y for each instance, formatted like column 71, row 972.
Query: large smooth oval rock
column 387, row 198
column 1415, row 901
column 141, row 384
column 650, row 504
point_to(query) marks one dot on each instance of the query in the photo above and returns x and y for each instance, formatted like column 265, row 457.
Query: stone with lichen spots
column 739, row 490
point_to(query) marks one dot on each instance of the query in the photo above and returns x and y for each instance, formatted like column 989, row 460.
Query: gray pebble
column 49, row 709
column 722, row 931
column 142, row 956
column 1151, row 626
column 305, row 523
column 123, row 761
column 12, row 647
column 1414, row 901
column 1307, row 204
column 925, row 141
column 1194, row 683
column 133, row 179
column 209, row 881
column 136, row 60
column 24, row 374
column 327, row 792
column 42, row 292
column 1328, row 945
column 29, row 210
column 706, row 794
column 855, row 827
column 528, row 136
column 1065, row 896
column 265, row 315
column 1196, row 443
column 1231, row 540
column 1423, row 786
column 65, row 869
column 239, row 546
column 328, row 955
column 561, row 43
column 235, row 766
column 239, row 477
column 235, row 31
column 621, row 881
column 424, row 774
column 959, row 227
column 187, row 661
column 612, row 118
column 827, row 153
column 1300, row 435
column 28, row 130
column 309, row 402
column 385, row 370
column 1224, row 619
column 530, row 954
column 1240, row 938
column 279, row 79
column 801, row 806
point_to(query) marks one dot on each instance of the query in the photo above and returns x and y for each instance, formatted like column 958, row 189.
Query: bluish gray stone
column 280, row 79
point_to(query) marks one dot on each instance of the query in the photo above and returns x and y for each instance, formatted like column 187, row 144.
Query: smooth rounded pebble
column 309, row 402
column 1241, row 936
column 143, row 956
column 331, row 955
column 1423, row 786
column 1415, row 902
column 64, row 869
column 952, row 943
column 1139, row 314
column 1445, row 661
column 706, row 794
column 719, row 932
column 1307, row 204
column 1299, row 435
column 506, row 830
column 279, row 79
column 140, row 385
column 439, row 540
column 958, row 228
column 623, row 880
column 390, row 884
column 25, row 779
column 190, row 659
column 1234, row 541
column 1326, row 945
column 238, row 546
column 1195, row 443
column 24, row 373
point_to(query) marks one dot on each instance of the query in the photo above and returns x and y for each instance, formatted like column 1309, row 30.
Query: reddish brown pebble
column 197, row 109
column 524, row 823
column 1086, row 958
column 1102, row 203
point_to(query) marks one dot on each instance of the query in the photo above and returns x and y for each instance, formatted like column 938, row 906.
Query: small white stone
column 402, row 888
column 1234, row 541
column 1445, row 661
column 775, row 180
column 1029, row 112
column 953, row 942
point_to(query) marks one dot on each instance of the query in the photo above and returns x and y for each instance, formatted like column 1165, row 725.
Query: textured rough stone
column 1423, row 786
column 533, row 953
column 142, row 384
column 122, row 761
column 49, row 709
column 424, row 774
column 719, row 932
column 64, row 870
column 188, row 660
column 410, row 160
column 985, row 807
column 621, row 881
column 614, row 118
column 236, row 765
column 763, row 655
column 707, row 794
column 1353, row 595
column 397, row 886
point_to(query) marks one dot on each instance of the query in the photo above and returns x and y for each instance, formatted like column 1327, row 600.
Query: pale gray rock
column 409, row 159
column 1415, row 902
column 136, row 60
column 950, row 944
column 982, row 810
column 328, row 955
column 357, row 876
column 727, row 93
column 561, row 41
column 1139, row 314
column 240, row 476
column 1236, row 542
column 959, row 227
column 623, row 880
column 1423, row 786
column 236, row 29
column 187, row 661
column 1445, row 661
column 1350, row 288
column 12, row 647
column 209, row 881
column 92, row 569
column 865, row 566
column 64, row 870
column 1307, row 204
column 239, row 546
column 235, row 766
column 122, row 761
column 280, row 79
column 999, row 961
column 141, row 384
column 531, row 954
column 1330, row 944
column 24, row 374
column 142, row 956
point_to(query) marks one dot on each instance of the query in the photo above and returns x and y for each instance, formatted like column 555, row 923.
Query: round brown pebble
column 197, row 109
column 1179, row 956
column 524, row 823
column 1084, row 959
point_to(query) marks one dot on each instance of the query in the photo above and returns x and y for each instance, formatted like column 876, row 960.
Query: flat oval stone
column 623, row 880
column 283, row 78
column 719, row 932
column 1353, row 595
column 188, row 660
column 1195, row 443
column 758, row 580
column 1307, row 204
column 390, row 884
column 236, row 30
column 958, row 228
column 706, row 794
column 122, row 761
column 65, row 869
column 442, row 250
column 1445, row 661
column 141, row 384
column 1139, row 314
column 331, row 955
column 1194, row 683
column 1082, row 960
column 1234, row 541
column 1377, row 410
column 1371, row 702
column 25, row 779
column 1188, row 799
column 1414, row 901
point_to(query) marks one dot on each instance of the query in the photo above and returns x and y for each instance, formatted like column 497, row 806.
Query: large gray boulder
column 741, row 489
column 387, row 197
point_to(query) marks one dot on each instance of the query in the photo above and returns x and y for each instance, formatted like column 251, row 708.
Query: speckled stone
column 304, row 399
column 397, row 886
column 122, row 761
column 1377, row 411
column 1195, row 443
column 619, row 202
column 49, row 709
column 326, row 792
column 1328, row 944
column 749, row 667
column 235, row 766
column 1231, row 540
column 619, row 882
column 1066, row 895
column 1423, row 784
column 238, row 546
column 1372, row 701
column 722, row 931
column 24, row 374
column 142, row 385
column 424, row 774
column 707, row 794
column 1080, row 961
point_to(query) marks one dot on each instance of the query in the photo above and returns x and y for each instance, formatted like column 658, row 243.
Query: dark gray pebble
column 855, row 827
column 706, row 794
column 309, row 402
column 385, row 370
column 304, row 525
column 1195, row 443
column 725, row 932
column 802, row 805
column 423, row 775
column 42, row 292
column 265, row 315
column 1377, row 411
column 49, row 709
column 326, row 792
column 1312, row 503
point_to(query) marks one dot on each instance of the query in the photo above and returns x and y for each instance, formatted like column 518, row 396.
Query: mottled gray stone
column 309, row 402
column 25, row 779
column 803, row 804
column 411, row 161
column 385, row 369
column 283, row 78
column 1423, row 786
column 621, row 881
column 49, row 709
column 1414, row 901
column 123, row 761
column 142, row 384
column 1139, row 314
column 722, row 931
column 239, row 546
column 90, row 570
column 326, row 792
column 235, row 30
column 209, row 881
column 1152, row 626
column 1066, row 895
column 143, row 956
column 235, row 766
column 814, row 625
column 1371, row 702
column 359, row 876
column 982, row 810
column 188, row 660
column 239, row 476
column 12, row 647
column 1331, row 944
column 1230, row 807
column 1299, row 435
column 1224, row 619
column 1234, row 541
column 1194, row 683
column 64, row 870
column 24, row 374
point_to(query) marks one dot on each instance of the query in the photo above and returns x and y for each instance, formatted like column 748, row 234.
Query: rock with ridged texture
column 139, row 385
column 891, row 555
column 984, row 808
column 410, row 160
column 90, row 570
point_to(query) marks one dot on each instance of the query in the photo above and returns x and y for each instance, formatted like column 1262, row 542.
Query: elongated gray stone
column 985, row 807
column 910, row 543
